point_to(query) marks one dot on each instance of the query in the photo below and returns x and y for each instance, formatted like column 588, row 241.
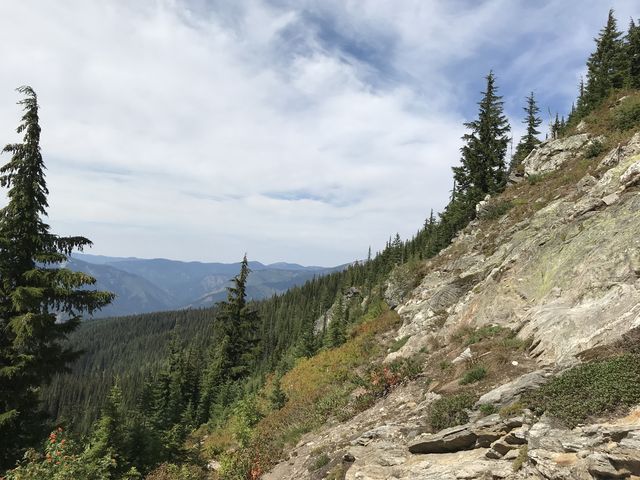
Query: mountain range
column 149, row 285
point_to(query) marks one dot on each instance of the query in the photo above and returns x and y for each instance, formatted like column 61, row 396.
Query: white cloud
column 188, row 129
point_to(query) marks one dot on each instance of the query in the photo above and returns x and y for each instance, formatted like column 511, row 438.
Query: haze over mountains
column 149, row 285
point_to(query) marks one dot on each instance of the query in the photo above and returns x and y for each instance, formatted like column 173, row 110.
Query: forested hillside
column 153, row 285
column 223, row 392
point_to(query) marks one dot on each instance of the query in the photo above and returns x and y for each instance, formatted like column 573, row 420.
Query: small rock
column 586, row 183
column 511, row 455
column 631, row 175
column 347, row 457
column 492, row 454
column 611, row 199
column 466, row 355
column 446, row 441
column 502, row 447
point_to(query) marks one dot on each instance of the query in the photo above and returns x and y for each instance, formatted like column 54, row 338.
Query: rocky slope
column 555, row 258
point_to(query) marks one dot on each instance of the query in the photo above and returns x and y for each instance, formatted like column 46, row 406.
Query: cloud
column 300, row 131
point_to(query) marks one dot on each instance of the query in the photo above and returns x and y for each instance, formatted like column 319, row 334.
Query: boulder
column 446, row 441
column 611, row 199
column 631, row 176
column 512, row 390
column 549, row 156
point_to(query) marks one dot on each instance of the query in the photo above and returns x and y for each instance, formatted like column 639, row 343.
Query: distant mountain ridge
column 148, row 285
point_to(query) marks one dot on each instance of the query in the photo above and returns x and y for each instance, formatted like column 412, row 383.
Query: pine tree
column 34, row 291
column 337, row 331
column 483, row 154
column 240, row 325
column 607, row 67
column 633, row 54
column 529, row 140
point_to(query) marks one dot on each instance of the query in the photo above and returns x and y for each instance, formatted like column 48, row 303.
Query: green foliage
column 488, row 409
column 398, row 344
column 62, row 460
column 482, row 333
column 319, row 462
column 382, row 378
column 34, row 291
column 607, row 66
column 277, row 398
column 512, row 409
column 170, row 471
column 522, row 457
column 594, row 148
column 450, row 411
column 535, row 179
column 474, row 374
column 482, row 168
column 588, row 390
column 627, row 115
column 529, row 140
column 495, row 210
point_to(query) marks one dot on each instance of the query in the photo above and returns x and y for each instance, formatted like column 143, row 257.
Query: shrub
column 398, row 344
column 487, row 409
column 521, row 458
column 627, row 115
column 382, row 378
column 588, row 390
column 63, row 460
column 450, row 411
column 594, row 149
column 473, row 375
column 511, row 410
column 170, row 471
column 535, row 179
column 488, row 331
column 319, row 462
column 497, row 209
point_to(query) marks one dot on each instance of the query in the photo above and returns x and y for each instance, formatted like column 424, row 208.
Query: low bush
column 398, row 344
column 474, row 374
column 627, row 115
column 319, row 462
column 592, row 389
column 488, row 409
column 482, row 333
column 497, row 209
column 594, row 148
column 450, row 411
column 511, row 410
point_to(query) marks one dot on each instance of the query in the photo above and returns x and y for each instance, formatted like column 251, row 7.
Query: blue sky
column 302, row 131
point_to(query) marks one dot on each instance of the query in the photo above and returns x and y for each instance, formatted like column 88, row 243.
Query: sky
column 301, row 131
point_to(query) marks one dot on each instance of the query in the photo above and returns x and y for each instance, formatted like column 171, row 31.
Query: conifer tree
column 607, row 67
column 485, row 147
column 633, row 54
column 242, row 324
column 529, row 140
column 34, row 291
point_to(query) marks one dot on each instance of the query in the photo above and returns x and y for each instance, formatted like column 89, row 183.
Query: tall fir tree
column 607, row 66
column 242, row 324
column 529, row 140
column 633, row 54
column 485, row 146
column 34, row 291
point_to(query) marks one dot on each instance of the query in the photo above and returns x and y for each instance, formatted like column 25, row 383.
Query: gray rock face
column 550, row 155
column 567, row 279
column 509, row 392
column 449, row 440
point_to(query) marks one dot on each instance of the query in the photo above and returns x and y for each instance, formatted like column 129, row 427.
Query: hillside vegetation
column 454, row 354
